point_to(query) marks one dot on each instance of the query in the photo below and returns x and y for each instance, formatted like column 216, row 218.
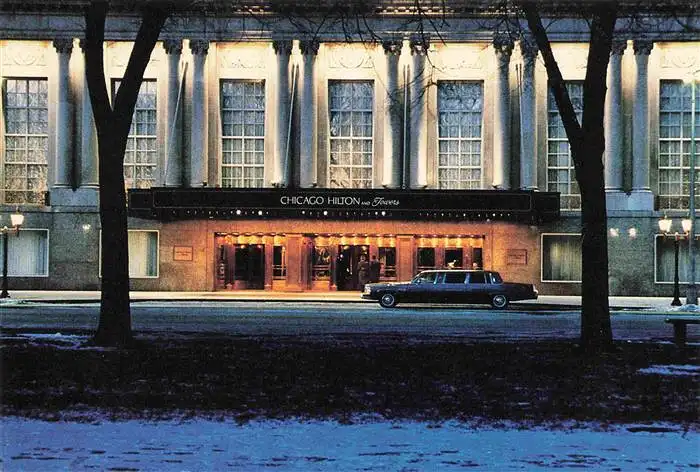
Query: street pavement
column 653, row 304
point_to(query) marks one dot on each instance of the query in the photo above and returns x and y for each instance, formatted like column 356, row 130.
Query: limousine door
column 422, row 289
column 477, row 287
column 453, row 287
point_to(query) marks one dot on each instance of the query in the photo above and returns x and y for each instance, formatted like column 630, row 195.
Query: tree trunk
column 596, row 332
column 587, row 143
column 114, row 328
column 113, row 124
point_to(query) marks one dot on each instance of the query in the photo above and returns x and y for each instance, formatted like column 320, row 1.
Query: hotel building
column 259, row 154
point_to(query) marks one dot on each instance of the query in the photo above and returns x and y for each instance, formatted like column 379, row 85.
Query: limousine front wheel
column 388, row 300
column 499, row 301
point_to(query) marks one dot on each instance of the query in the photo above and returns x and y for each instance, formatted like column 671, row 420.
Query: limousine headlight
column 368, row 290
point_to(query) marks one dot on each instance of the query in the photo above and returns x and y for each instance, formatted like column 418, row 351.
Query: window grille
column 561, row 176
column 351, row 134
column 141, row 156
column 460, row 106
column 674, row 144
column 243, row 133
column 25, row 164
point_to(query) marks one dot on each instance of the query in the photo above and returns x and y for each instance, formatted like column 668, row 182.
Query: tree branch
column 556, row 81
column 152, row 21
column 594, row 85
column 95, row 17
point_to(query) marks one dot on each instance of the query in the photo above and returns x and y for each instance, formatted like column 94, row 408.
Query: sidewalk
column 661, row 304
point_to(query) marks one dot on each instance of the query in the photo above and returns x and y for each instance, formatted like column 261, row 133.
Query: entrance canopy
column 167, row 204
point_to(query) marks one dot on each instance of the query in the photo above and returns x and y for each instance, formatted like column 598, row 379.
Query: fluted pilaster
column 307, row 114
column 503, row 47
column 173, row 142
column 283, row 51
column 392, row 117
column 64, row 118
column 198, row 137
column 418, row 105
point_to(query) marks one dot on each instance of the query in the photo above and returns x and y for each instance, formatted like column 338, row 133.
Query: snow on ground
column 689, row 308
column 681, row 370
column 207, row 445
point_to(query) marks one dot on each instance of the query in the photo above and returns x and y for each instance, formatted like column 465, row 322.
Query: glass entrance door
column 239, row 266
column 250, row 266
column 348, row 267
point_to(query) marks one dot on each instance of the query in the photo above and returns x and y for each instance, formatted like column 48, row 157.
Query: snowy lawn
column 206, row 445
column 191, row 403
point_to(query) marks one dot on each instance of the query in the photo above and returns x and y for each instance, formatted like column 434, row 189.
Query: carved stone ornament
column 618, row 47
column 282, row 46
column 345, row 58
column 529, row 50
column 243, row 58
column 392, row 47
column 63, row 45
column 460, row 58
column 199, row 47
column 309, row 46
column 681, row 57
column 419, row 46
column 172, row 46
column 24, row 54
column 643, row 47
column 120, row 51
column 503, row 43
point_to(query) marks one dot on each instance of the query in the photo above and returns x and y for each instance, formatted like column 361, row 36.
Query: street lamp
column 665, row 227
column 16, row 220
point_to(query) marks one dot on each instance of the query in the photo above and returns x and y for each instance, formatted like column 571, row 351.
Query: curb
column 516, row 305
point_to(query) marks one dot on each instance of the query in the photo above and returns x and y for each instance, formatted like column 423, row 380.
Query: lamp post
column 665, row 227
column 692, row 294
column 16, row 220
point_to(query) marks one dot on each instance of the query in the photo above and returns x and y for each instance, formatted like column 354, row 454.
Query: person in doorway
column 363, row 273
column 341, row 272
column 374, row 269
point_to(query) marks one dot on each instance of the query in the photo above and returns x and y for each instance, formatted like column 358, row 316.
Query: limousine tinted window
column 454, row 277
column 477, row 278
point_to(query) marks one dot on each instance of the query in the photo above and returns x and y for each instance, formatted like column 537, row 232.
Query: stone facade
column 294, row 73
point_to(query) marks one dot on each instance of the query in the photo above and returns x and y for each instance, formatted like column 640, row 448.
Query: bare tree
column 113, row 121
column 587, row 144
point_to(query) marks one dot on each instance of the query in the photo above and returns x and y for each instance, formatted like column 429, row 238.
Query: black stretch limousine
column 451, row 286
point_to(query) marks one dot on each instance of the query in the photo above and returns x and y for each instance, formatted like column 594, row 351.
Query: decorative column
column 198, row 139
column 307, row 115
column 392, row 117
column 528, row 116
column 173, row 155
column 418, row 125
column 503, row 46
column 283, row 51
column 64, row 121
column 642, row 198
column 613, row 119
column 89, row 175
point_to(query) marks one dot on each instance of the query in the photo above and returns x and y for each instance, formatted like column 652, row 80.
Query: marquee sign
column 229, row 203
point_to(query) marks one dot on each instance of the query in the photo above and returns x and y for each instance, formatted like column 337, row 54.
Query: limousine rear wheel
column 388, row 300
column 499, row 301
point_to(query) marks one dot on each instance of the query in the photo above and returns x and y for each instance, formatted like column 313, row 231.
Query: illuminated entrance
column 240, row 263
